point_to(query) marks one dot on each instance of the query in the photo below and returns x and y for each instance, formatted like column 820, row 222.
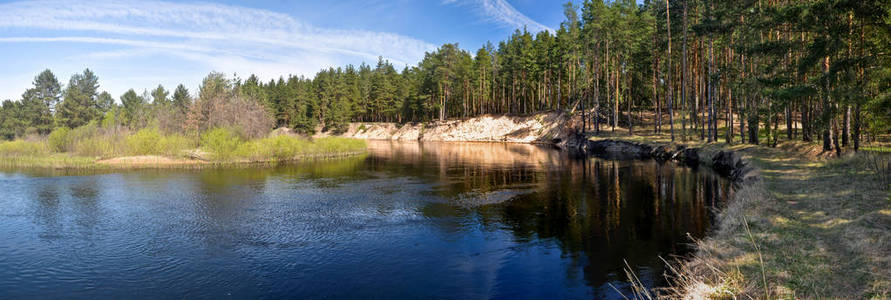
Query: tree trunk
column 729, row 135
column 596, row 93
column 670, row 112
column 827, row 111
column 712, row 134
column 616, row 104
column 857, row 124
column 789, row 128
column 657, row 120
column 684, row 73
column 846, row 130
column 630, row 122
column 835, row 140
column 754, row 123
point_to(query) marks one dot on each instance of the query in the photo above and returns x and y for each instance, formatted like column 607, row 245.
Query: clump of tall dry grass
column 880, row 164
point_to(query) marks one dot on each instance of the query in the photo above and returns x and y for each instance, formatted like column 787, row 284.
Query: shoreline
column 71, row 163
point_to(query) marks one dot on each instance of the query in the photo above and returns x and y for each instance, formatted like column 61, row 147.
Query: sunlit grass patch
column 880, row 149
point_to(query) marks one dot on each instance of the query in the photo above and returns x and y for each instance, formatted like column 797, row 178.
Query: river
column 406, row 220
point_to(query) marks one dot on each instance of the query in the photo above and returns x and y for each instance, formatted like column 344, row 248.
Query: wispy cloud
column 208, row 22
column 221, row 37
column 501, row 12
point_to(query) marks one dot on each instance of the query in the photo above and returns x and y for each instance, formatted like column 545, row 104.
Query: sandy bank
column 546, row 128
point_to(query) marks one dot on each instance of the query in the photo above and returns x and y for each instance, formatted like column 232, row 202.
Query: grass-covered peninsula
column 95, row 147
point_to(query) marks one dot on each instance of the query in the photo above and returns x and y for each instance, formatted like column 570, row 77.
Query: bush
column 150, row 141
column 107, row 145
column 80, row 133
column 229, row 110
column 222, row 143
column 58, row 140
column 174, row 145
column 144, row 142
column 88, row 140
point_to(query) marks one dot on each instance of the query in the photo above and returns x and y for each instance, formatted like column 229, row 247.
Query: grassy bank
column 94, row 148
column 813, row 226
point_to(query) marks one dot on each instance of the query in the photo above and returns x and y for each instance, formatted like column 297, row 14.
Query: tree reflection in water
column 599, row 211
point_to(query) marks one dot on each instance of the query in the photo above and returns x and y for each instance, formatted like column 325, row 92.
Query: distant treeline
column 820, row 68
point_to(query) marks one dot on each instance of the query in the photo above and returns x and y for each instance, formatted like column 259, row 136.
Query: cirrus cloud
column 225, row 38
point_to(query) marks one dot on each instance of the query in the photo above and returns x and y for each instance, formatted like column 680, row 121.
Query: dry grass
column 813, row 226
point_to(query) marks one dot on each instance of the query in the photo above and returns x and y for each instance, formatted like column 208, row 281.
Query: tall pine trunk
column 857, row 125
column 684, row 71
column 670, row 112
column 846, row 130
column 712, row 134
column 827, row 111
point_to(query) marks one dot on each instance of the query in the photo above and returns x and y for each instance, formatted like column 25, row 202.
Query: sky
column 140, row 44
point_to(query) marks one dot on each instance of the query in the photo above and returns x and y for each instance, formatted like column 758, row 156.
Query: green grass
column 285, row 148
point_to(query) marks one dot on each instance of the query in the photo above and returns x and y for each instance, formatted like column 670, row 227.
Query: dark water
column 462, row 221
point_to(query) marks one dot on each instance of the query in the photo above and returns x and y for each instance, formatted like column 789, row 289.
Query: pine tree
column 79, row 106
column 133, row 109
column 159, row 96
column 181, row 99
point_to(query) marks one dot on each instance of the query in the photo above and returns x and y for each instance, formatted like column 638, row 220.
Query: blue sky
column 140, row 44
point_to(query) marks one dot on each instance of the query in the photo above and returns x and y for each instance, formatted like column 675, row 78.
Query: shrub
column 275, row 148
column 221, row 142
column 174, row 145
column 144, row 142
column 58, row 140
column 80, row 133
column 106, row 145
column 282, row 148
column 218, row 107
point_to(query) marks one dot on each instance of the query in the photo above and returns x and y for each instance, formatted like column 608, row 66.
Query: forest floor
column 813, row 226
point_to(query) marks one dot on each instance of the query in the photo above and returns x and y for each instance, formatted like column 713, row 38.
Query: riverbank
column 226, row 151
column 801, row 225
column 543, row 128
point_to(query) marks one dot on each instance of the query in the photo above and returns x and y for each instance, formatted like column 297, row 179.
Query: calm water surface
column 407, row 220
